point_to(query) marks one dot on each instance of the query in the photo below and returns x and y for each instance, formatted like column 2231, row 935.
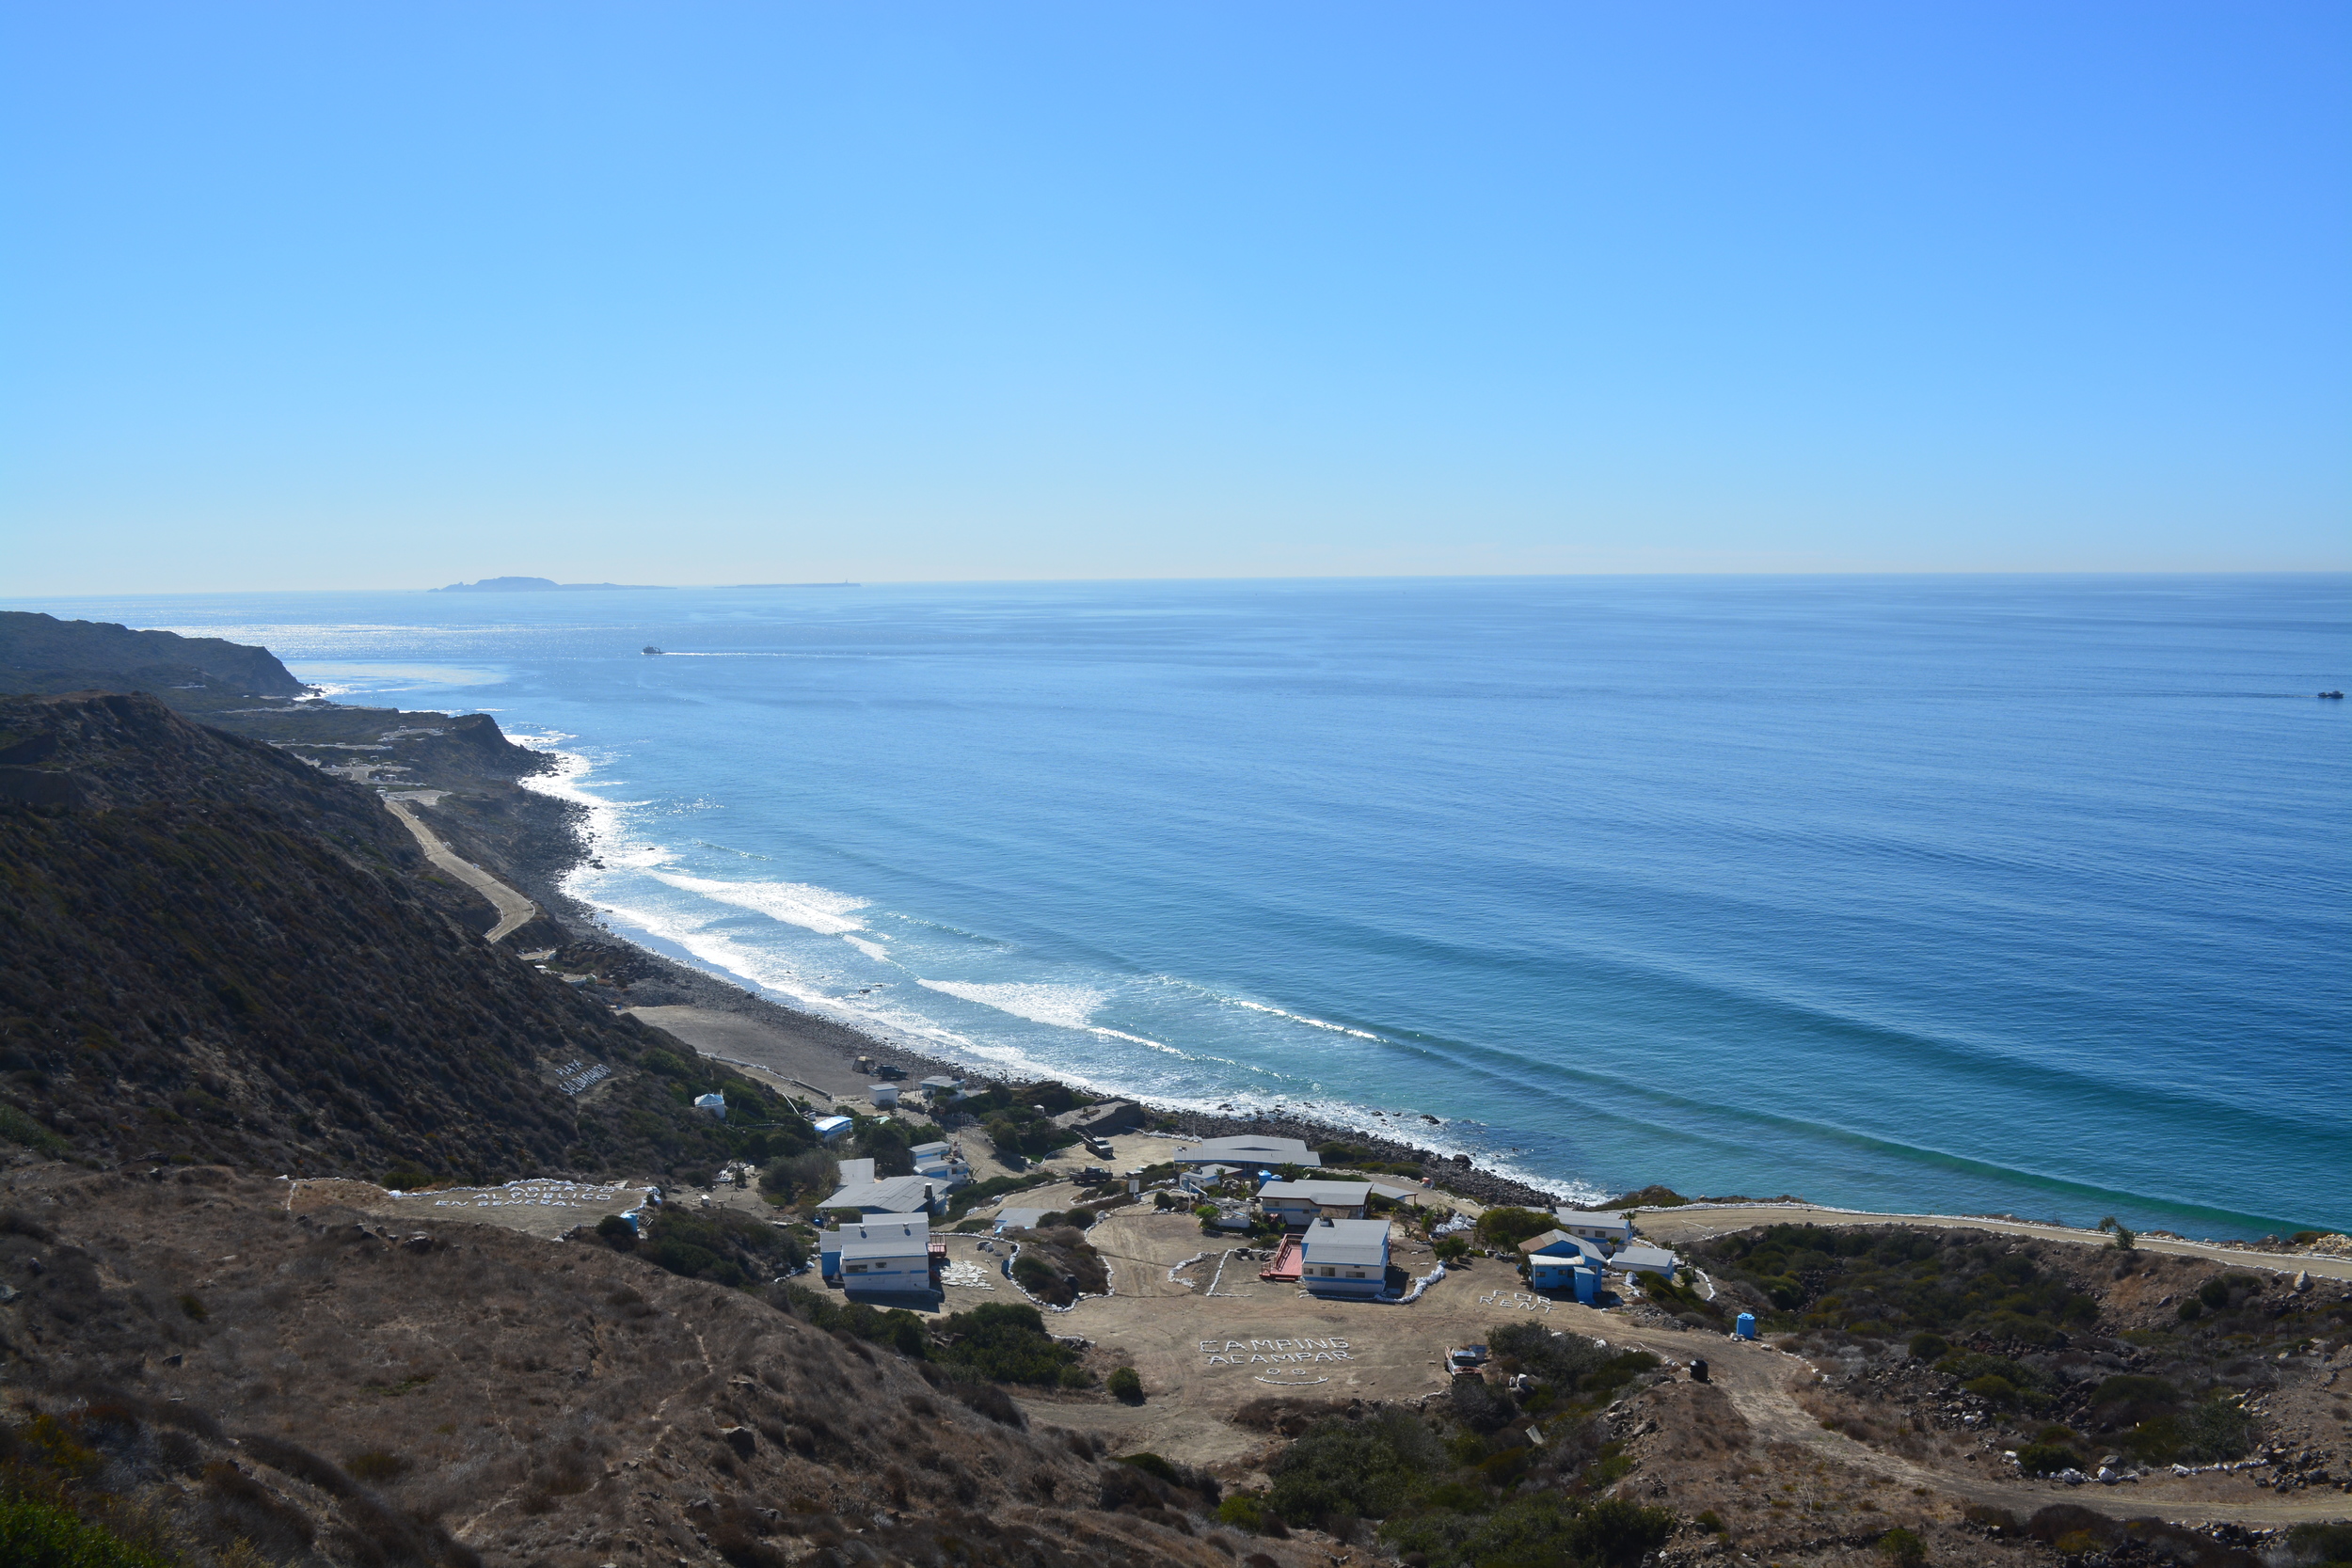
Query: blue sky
column 391, row 294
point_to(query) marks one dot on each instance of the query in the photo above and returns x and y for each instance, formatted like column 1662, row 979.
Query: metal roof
column 1249, row 1149
column 1359, row 1242
column 892, row 1195
column 892, row 1238
column 1337, row 1194
column 1655, row 1260
column 1560, row 1244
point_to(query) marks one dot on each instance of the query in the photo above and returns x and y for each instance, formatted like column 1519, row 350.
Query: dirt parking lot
column 1208, row 1336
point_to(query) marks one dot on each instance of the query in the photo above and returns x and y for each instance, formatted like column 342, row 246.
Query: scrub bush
column 1004, row 1343
column 1505, row 1229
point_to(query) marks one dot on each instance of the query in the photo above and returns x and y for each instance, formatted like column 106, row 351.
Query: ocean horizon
column 1958, row 894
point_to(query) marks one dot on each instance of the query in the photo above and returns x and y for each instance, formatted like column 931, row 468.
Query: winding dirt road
column 514, row 910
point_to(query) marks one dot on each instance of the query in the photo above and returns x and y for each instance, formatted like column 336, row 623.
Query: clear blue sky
column 377, row 294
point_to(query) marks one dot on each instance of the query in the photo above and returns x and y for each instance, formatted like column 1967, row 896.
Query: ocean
column 1958, row 894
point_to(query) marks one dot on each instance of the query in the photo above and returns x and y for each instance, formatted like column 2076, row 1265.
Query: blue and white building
column 1345, row 1258
column 880, row 1257
column 1571, row 1265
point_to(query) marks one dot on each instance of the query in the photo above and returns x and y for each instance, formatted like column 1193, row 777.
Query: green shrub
column 1540, row 1528
column 1615, row 1372
column 1560, row 1359
column 2215, row 1430
column 17, row 1127
column 1993, row 1389
column 1888, row 1281
column 1242, row 1512
column 810, row 1173
column 1903, row 1547
column 1004, row 1343
column 1365, row 1468
column 717, row 1244
column 1153, row 1465
column 2328, row 1545
column 2047, row 1459
column 1506, row 1229
column 38, row 1534
column 1710, row 1521
column 2127, row 1399
column 1125, row 1384
column 375, row 1467
column 1929, row 1347
column 2190, row 1311
column 898, row 1328
column 2214, row 1293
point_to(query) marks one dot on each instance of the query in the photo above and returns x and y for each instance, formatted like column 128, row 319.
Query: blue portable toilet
column 1744, row 1326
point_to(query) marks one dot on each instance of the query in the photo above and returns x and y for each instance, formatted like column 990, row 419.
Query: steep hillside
column 233, row 1385
column 218, row 953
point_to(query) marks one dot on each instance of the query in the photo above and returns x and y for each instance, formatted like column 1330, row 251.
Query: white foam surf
column 813, row 909
column 874, row 950
column 1063, row 1006
column 1300, row 1018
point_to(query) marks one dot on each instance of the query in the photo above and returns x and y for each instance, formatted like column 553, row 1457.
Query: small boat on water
column 2336, row 696
column 651, row 649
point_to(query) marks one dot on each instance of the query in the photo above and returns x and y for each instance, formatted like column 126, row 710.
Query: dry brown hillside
column 325, row 1392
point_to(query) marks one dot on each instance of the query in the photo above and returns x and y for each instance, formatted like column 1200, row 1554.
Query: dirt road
column 514, row 910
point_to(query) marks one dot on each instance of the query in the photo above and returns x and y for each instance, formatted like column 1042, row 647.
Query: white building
column 1345, row 1258
column 940, row 1163
column 886, row 1257
column 1299, row 1204
column 1645, row 1258
column 1612, row 1231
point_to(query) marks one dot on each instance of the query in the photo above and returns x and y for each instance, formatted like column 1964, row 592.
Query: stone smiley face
column 1275, row 1353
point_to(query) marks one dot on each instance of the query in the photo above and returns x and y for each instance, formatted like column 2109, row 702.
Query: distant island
column 532, row 585
column 548, row 585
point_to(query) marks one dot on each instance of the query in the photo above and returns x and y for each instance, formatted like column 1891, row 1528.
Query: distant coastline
column 548, row 585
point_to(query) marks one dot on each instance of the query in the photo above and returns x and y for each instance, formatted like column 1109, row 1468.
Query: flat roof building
column 1249, row 1149
column 890, row 1194
column 1345, row 1258
column 886, row 1257
column 1596, row 1225
column 1643, row 1259
column 1302, row 1203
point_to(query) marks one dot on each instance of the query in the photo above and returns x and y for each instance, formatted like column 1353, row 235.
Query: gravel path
column 514, row 910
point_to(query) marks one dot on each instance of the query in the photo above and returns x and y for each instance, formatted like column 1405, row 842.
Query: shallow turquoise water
column 1955, row 894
